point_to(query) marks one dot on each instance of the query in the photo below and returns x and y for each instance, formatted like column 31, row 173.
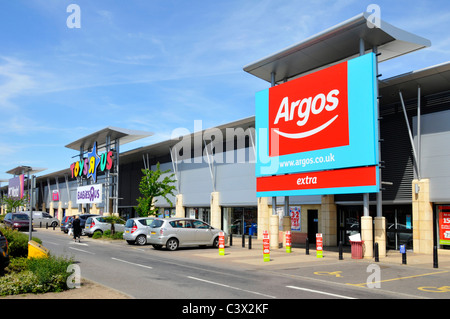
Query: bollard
column 377, row 259
column 403, row 252
column 40, row 224
column 54, row 225
column 340, row 251
column 435, row 257
column 231, row 239
column 243, row 240
column 249, row 241
column 307, row 246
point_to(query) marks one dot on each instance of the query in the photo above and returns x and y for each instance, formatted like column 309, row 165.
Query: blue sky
column 158, row 65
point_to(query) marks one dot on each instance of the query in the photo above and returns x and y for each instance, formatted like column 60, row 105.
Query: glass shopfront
column 202, row 213
column 398, row 224
column 240, row 220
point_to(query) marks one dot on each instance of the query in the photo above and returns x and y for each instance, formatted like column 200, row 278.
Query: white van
column 42, row 219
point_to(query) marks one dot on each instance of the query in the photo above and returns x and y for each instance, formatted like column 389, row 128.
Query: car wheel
column 54, row 224
column 141, row 240
column 172, row 244
column 216, row 242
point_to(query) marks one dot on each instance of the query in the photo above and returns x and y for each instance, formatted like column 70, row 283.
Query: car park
column 65, row 223
column 43, row 219
column 19, row 221
column 179, row 232
column 101, row 224
column 4, row 258
column 83, row 218
column 137, row 230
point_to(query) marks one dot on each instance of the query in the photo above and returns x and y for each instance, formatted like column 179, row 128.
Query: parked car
column 83, row 218
column 100, row 224
column 65, row 223
column 19, row 221
column 178, row 232
column 137, row 230
column 43, row 219
column 4, row 258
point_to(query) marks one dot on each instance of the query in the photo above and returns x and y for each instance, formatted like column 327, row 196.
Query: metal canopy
column 124, row 135
column 434, row 79
column 25, row 169
column 336, row 44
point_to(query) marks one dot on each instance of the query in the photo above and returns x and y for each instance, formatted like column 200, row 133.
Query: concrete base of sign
column 367, row 235
column 380, row 235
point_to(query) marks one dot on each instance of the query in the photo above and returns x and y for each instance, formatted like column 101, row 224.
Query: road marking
column 124, row 261
column 320, row 292
column 82, row 250
column 328, row 273
column 400, row 278
column 231, row 287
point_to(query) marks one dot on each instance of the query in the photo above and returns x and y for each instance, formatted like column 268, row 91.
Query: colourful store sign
column 326, row 120
column 16, row 187
column 89, row 166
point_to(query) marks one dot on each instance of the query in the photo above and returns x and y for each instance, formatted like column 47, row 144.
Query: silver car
column 42, row 219
column 137, row 230
column 100, row 224
column 177, row 232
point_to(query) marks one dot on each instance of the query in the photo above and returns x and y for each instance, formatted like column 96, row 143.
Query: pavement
column 244, row 256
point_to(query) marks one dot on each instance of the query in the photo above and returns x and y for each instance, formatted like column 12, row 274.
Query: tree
column 151, row 187
column 13, row 203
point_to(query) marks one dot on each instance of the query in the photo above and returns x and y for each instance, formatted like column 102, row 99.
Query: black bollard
column 243, row 240
column 307, row 246
column 377, row 259
column 231, row 239
column 435, row 257
column 249, row 241
column 404, row 258
column 341, row 257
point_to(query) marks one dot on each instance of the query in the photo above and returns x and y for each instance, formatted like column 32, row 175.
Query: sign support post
column 319, row 245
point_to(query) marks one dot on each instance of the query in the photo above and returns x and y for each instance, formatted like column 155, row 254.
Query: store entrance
column 240, row 220
column 398, row 224
column 349, row 218
column 313, row 225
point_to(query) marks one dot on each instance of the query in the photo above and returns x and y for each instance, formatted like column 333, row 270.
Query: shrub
column 36, row 275
column 18, row 242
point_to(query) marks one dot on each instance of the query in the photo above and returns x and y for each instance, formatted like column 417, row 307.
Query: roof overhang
column 431, row 80
column 25, row 170
column 123, row 135
column 337, row 44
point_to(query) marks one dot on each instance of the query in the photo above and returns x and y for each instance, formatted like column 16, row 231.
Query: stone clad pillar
column 422, row 217
column 179, row 208
column 215, row 211
column 367, row 235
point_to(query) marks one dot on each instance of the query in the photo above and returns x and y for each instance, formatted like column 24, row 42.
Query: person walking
column 76, row 228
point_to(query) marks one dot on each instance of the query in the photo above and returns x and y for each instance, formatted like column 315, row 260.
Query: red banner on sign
column 348, row 177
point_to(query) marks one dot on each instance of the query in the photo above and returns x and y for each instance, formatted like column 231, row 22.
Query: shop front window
column 240, row 220
column 398, row 226
column 202, row 213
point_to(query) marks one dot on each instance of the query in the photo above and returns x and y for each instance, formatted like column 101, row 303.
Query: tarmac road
column 193, row 273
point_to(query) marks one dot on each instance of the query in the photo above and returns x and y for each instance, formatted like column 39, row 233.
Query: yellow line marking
column 400, row 278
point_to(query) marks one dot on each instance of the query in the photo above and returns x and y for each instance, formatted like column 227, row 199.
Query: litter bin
column 357, row 249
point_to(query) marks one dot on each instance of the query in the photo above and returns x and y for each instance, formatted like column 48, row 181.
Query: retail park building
column 218, row 170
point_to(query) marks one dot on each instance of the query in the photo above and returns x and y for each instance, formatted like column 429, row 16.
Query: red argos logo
column 309, row 113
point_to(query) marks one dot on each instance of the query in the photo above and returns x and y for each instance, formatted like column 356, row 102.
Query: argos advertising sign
column 326, row 120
